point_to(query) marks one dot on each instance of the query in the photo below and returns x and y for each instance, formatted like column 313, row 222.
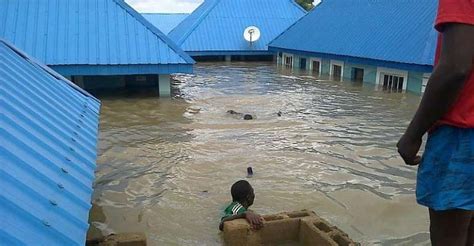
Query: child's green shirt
column 234, row 208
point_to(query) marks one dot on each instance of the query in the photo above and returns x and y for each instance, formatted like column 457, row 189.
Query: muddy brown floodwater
column 165, row 166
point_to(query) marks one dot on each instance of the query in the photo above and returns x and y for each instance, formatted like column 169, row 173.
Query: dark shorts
column 445, row 177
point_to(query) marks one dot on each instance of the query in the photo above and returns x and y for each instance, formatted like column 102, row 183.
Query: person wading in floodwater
column 445, row 180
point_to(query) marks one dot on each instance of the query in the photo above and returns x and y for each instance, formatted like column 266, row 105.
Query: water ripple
column 164, row 161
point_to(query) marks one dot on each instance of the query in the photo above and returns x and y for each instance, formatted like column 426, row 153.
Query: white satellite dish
column 252, row 34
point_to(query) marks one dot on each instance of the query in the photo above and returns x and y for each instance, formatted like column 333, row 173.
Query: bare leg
column 450, row 227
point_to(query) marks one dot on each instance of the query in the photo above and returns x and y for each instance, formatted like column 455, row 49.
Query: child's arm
column 255, row 220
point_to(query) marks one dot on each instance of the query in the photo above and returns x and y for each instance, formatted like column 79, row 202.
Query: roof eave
column 358, row 60
column 110, row 70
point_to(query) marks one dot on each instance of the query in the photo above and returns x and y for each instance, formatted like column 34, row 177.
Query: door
column 357, row 74
column 303, row 63
column 336, row 72
column 316, row 65
column 289, row 61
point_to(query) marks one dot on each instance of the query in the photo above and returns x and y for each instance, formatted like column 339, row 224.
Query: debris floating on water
column 249, row 172
column 245, row 116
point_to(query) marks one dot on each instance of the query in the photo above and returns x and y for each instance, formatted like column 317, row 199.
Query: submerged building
column 215, row 30
column 387, row 43
column 96, row 43
column 48, row 138
column 165, row 22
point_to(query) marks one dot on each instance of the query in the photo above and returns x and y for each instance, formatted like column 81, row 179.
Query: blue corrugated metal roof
column 88, row 33
column 397, row 31
column 48, row 135
column 218, row 25
column 165, row 22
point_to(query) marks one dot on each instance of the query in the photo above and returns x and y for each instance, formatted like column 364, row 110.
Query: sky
column 164, row 6
column 167, row 6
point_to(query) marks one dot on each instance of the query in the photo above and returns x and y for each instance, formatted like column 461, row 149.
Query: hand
column 221, row 226
column 255, row 220
column 408, row 148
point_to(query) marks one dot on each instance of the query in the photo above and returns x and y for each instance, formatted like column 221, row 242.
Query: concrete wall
column 370, row 72
column 415, row 80
column 298, row 228
column 164, row 85
column 413, row 83
column 325, row 66
column 296, row 62
column 307, row 66
column 347, row 69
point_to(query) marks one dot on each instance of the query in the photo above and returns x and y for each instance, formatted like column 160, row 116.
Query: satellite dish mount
column 252, row 34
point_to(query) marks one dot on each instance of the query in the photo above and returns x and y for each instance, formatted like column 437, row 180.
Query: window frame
column 393, row 72
column 311, row 68
column 336, row 63
column 285, row 56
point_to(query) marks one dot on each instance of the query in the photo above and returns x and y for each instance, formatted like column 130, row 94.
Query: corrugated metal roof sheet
column 165, row 22
column 86, row 32
column 399, row 31
column 218, row 25
column 48, row 136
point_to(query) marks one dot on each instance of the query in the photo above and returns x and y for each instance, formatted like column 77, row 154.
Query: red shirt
column 458, row 11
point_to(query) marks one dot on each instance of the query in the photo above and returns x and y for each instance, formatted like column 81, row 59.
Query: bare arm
column 255, row 220
column 443, row 88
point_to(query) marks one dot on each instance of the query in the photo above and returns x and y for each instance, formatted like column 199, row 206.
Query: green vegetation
column 306, row 4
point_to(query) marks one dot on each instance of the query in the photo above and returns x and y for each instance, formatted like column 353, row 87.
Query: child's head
column 242, row 192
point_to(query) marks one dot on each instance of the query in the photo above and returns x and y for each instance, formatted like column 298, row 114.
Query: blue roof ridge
column 196, row 23
column 165, row 13
column 154, row 30
column 47, row 69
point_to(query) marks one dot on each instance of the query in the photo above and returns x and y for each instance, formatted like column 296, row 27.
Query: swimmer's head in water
column 242, row 192
column 248, row 117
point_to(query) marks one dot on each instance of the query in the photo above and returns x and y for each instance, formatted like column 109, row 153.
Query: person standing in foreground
column 445, row 180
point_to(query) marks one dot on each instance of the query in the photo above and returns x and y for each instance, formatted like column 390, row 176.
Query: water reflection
column 165, row 166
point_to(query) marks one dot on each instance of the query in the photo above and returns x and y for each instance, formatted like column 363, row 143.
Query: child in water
column 242, row 198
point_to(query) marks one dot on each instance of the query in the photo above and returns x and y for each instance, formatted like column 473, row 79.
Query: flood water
column 165, row 166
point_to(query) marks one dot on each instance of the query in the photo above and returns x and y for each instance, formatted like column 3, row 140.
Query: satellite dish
column 252, row 34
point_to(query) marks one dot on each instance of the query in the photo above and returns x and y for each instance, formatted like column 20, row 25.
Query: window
column 303, row 63
column 392, row 83
column 288, row 61
column 316, row 67
column 357, row 74
column 391, row 80
column 337, row 70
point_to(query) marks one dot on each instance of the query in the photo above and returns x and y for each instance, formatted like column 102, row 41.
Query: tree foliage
column 306, row 4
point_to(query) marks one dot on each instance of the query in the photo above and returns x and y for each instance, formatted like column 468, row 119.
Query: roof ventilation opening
column 251, row 34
